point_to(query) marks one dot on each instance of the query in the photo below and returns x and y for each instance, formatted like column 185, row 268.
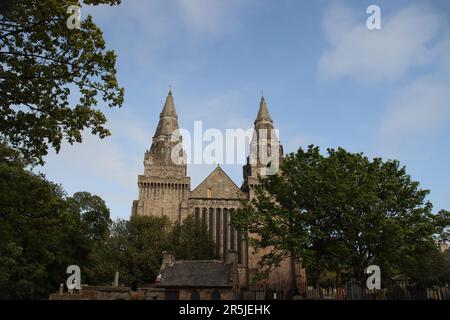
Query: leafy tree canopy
column 343, row 212
column 51, row 77
column 41, row 231
column 135, row 246
column 191, row 240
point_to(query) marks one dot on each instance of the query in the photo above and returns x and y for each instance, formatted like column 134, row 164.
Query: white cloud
column 209, row 16
column 420, row 108
column 106, row 167
column 405, row 42
column 411, row 49
column 149, row 28
column 443, row 50
column 161, row 18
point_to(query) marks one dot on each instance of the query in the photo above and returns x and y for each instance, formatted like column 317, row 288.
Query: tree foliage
column 51, row 77
column 341, row 213
column 41, row 231
column 191, row 240
column 95, row 220
column 94, row 228
column 135, row 246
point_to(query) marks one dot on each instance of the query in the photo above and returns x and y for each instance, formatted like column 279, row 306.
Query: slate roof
column 201, row 273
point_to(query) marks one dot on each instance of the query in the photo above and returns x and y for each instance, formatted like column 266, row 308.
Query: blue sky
column 328, row 81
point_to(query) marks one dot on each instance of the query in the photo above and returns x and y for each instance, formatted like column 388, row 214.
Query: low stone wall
column 111, row 293
column 125, row 293
column 96, row 293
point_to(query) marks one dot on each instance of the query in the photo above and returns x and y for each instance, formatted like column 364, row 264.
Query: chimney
column 231, row 257
column 168, row 259
column 443, row 246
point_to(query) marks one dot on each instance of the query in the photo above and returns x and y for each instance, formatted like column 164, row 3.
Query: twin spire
column 168, row 121
column 163, row 143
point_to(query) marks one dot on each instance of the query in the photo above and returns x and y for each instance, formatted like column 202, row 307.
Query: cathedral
column 165, row 189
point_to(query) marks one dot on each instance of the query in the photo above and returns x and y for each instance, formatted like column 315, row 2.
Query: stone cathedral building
column 165, row 189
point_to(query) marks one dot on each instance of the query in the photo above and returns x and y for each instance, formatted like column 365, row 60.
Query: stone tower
column 266, row 152
column 164, row 187
column 265, row 157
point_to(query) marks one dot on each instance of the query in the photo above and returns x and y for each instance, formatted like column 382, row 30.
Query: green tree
column 94, row 214
column 109, row 256
column 51, row 77
column 93, row 235
column 426, row 265
column 37, row 231
column 341, row 213
column 136, row 247
column 190, row 240
column 42, row 232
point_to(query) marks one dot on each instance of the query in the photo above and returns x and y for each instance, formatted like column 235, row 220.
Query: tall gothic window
column 225, row 231
column 204, row 225
column 232, row 242
column 211, row 222
column 218, row 233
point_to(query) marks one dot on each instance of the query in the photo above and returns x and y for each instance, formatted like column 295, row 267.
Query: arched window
column 195, row 295
column 215, row 295
column 209, row 193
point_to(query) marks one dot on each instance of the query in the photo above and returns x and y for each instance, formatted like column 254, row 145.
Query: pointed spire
column 168, row 119
column 169, row 107
column 265, row 137
column 263, row 113
column 263, row 121
column 162, row 143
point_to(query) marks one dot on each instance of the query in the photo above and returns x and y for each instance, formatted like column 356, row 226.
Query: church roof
column 220, row 186
column 200, row 273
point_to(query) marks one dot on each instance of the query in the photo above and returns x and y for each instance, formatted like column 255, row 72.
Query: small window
column 209, row 193
column 215, row 295
column 195, row 295
column 172, row 295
